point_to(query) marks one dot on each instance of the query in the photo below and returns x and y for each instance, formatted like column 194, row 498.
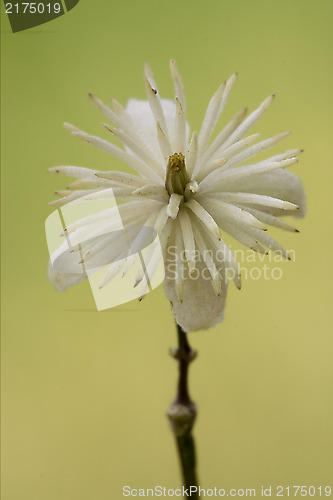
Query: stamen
column 176, row 176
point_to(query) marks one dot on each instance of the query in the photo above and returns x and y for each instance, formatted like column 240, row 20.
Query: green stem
column 186, row 451
column 182, row 415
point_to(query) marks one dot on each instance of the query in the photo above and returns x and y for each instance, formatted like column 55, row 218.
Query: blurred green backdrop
column 85, row 392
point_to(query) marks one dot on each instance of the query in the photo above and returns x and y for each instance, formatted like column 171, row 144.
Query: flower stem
column 182, row 413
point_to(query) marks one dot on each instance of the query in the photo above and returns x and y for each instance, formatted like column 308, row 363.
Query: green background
column 85, row 392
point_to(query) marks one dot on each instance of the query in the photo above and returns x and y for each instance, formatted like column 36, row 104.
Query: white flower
column 191, row 190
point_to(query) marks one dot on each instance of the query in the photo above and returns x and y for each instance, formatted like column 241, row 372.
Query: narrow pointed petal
column 256, row 149
column 230, row 213
column 111, row 115
column 180, row 128
column 63, row 193
column 226, row 155
column 92, row 183
column 178, row 84
column 211, row 117
column 258, row 199
column 121, row 119
column 146, row 157
column 148, row 72
column 179, row 279
column 161, row 220
column 164, row 143
column 191, row 157
column 245, row 235
column 122, row 179
column 249, row 121
column 223, row 135
column 135, row 162
column 269, row 242
column 277, row 183
column 227, row 258
column 152, row 190
column 215, row 181
column 173, row 206
column 156, row 106
column 206, row 256
column 271, row 219
column 188, row 239
column 228, row 88
column 204, row 216
column 72, row 197
column 71, row 171
column 111, row 273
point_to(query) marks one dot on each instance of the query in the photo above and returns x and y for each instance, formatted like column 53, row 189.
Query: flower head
column 191, row 190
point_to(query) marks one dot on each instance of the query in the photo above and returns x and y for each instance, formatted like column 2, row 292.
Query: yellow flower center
column 176, row 175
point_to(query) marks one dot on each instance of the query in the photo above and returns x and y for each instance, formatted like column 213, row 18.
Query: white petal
column 224, row 155
column 191, row 157
column 236, row 147
column 271, row 219
column 228, row 88
column 161, row 220
column 217, row 180
column 256, row 149
column 156, row 107
column 145, row 157
column 143, row 119
column 249, row 121
column 120, row 178
column 269, row 242
column 131, row 160
column 207, row 258
column 148, row 72
column 91, row 183
column 279, row 183
column 204, row 216
column 180, row 128
column 151, row 191
column 178, row 84
column 201, row 307
column 258, row 199
column 111, row 115
column 174, row 203
column 211, row 117
column 179, row 280
column 245, row 235
column 221, row 210
column 164, row 143
column 223, row 135
column 76, row 195
column 228, row 258
column 70, row 171
column 110, row 214
column 138, row 242
column 188, row 238
column 111, row 272
column 122, row 120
